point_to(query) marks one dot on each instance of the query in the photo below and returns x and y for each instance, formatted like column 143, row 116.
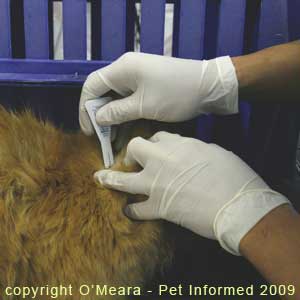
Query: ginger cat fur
column 57, row 226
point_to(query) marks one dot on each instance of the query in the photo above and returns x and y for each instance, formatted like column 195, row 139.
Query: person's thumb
column 141, row 211
column 119, row 111
column 93, row 87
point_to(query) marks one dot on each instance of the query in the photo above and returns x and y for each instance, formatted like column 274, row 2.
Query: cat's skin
column 57, row 226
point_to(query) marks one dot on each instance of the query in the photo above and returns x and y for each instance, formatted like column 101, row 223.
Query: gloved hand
column 161, row 88
column 199, row 186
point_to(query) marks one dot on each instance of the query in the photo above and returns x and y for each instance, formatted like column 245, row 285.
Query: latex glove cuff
column 242, row 213
column 230, row 84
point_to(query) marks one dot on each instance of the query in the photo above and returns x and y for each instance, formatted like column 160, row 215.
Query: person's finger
column 118, row 77
column 85, row 123
column 93, row 87
column 132, row 183
column 119, row 111
column 141, row 211
column 163, row 135
column 140, row 150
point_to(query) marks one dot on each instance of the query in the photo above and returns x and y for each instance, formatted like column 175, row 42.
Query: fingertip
column 101, row 176
column 87, row 132
column 163, row 135
column 127, row 211
column 138, row 151
column 86, row 126
column 97, row 178
column 136, row 142
column 130, row 213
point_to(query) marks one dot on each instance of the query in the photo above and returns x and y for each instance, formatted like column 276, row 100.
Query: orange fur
column 57, row 226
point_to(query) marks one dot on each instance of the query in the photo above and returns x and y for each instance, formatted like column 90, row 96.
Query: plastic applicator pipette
column 103, row 132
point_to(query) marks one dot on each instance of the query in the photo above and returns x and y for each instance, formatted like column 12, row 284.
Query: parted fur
column 58, row 226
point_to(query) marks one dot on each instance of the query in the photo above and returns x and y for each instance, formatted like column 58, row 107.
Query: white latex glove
column 161, row 88
column 199, row 186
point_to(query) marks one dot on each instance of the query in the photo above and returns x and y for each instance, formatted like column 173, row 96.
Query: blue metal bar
column 47, row 71
column 96, row 29
column 36, row 28
column 74, row 28
column 176, row 28
column 273, row 24
column 211, row 28
column 231, row 27
column 272, row 30
column 191, row 29
column 189, row 43
column 43, row 79
column 152, row 26
column 130, row 25
column 5, row 35
column 230, row 41
column 113, row 26
column 45, row 66
column 294, row 19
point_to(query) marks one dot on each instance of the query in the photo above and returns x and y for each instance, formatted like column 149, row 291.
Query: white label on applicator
column 103, row 132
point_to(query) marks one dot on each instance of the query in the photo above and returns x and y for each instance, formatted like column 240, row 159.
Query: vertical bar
column 96, row 29
column 232, row 18
column 113, row 37
column 74, row 28
column 5, row 35
column 211, row 28
column 191, row 29
column 36, row 29
column 272, row 30
column 152, row 26
column 189, row 43
column 17, row 29
column 50, row 26
column 231, row 27
column 273, row 24
column 130, row 21
column 176, row 28
column 294, row 19
column 251, row 26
